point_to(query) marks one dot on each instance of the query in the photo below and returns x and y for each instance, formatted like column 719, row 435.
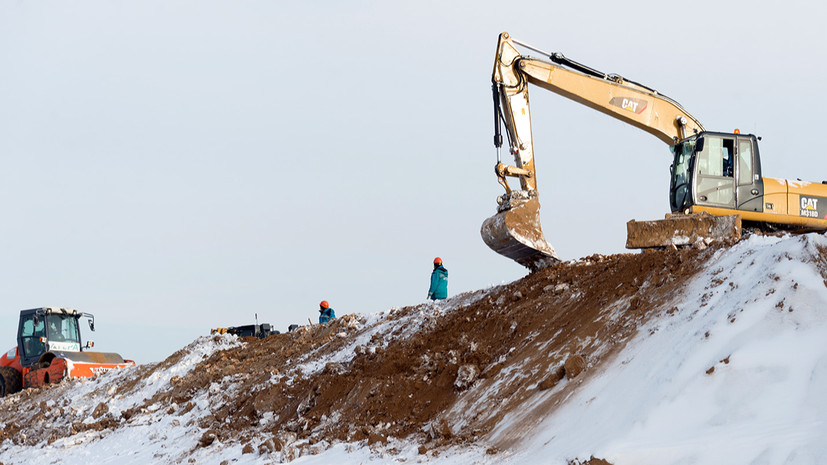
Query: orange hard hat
column 437, row 261
column 324, row 304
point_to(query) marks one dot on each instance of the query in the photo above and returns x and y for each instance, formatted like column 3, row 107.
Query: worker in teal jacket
column 439, row 281
column 325, row 312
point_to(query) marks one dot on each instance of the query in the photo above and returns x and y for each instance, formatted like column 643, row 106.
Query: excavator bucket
column 515, row 233
column 679, row 230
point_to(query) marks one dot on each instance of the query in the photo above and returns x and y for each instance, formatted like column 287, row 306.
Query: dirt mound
column 419, row 372
column 555, row 323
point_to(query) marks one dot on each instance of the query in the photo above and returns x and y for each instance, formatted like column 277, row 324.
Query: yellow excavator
column 716, row 181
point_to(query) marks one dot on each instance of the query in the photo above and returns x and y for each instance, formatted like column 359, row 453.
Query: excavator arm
column 515, row 230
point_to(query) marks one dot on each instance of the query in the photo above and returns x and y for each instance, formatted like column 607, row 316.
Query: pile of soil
column 445, row 380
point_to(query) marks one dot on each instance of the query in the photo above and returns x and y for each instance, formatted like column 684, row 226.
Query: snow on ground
column 155, row 436
column 151, row 439
column 737, row 374
column 388, row 324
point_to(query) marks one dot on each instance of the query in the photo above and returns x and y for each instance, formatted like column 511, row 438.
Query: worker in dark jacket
column 325, row 312
column 439, row 281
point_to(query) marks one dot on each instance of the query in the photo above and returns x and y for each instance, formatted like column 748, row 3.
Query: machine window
column 31, row 334
column 744, row 162
column 716, row 158
column 679, row 189
column 62, row 328
column 680, row 167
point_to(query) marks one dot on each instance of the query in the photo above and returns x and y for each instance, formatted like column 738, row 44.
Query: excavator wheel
column 10, row 381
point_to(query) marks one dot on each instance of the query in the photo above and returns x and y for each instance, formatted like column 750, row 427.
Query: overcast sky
column 174, row 166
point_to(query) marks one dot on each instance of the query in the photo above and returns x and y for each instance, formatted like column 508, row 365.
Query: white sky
column 172, row 166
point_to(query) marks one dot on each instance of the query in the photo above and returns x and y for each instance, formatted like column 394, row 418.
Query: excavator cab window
column 729, row 167
column 681, row 167
column 716, row 157
column 715, row 183
column 744, row 162
column 750, row 189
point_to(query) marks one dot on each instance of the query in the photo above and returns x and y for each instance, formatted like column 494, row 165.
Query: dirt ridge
column 440, row 374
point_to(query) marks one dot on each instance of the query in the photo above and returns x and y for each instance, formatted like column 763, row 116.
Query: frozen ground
column 723, row 361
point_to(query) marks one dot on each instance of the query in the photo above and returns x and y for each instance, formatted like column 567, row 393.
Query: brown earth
column 541, row 335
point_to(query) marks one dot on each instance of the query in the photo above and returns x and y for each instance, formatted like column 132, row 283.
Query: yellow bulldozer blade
column 680, row 230
column 515, row 233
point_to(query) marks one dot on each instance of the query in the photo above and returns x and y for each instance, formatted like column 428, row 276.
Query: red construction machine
column 49, row 349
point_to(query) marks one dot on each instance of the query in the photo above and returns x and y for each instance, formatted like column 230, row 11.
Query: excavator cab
column 716, row 170
column 715, row 179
